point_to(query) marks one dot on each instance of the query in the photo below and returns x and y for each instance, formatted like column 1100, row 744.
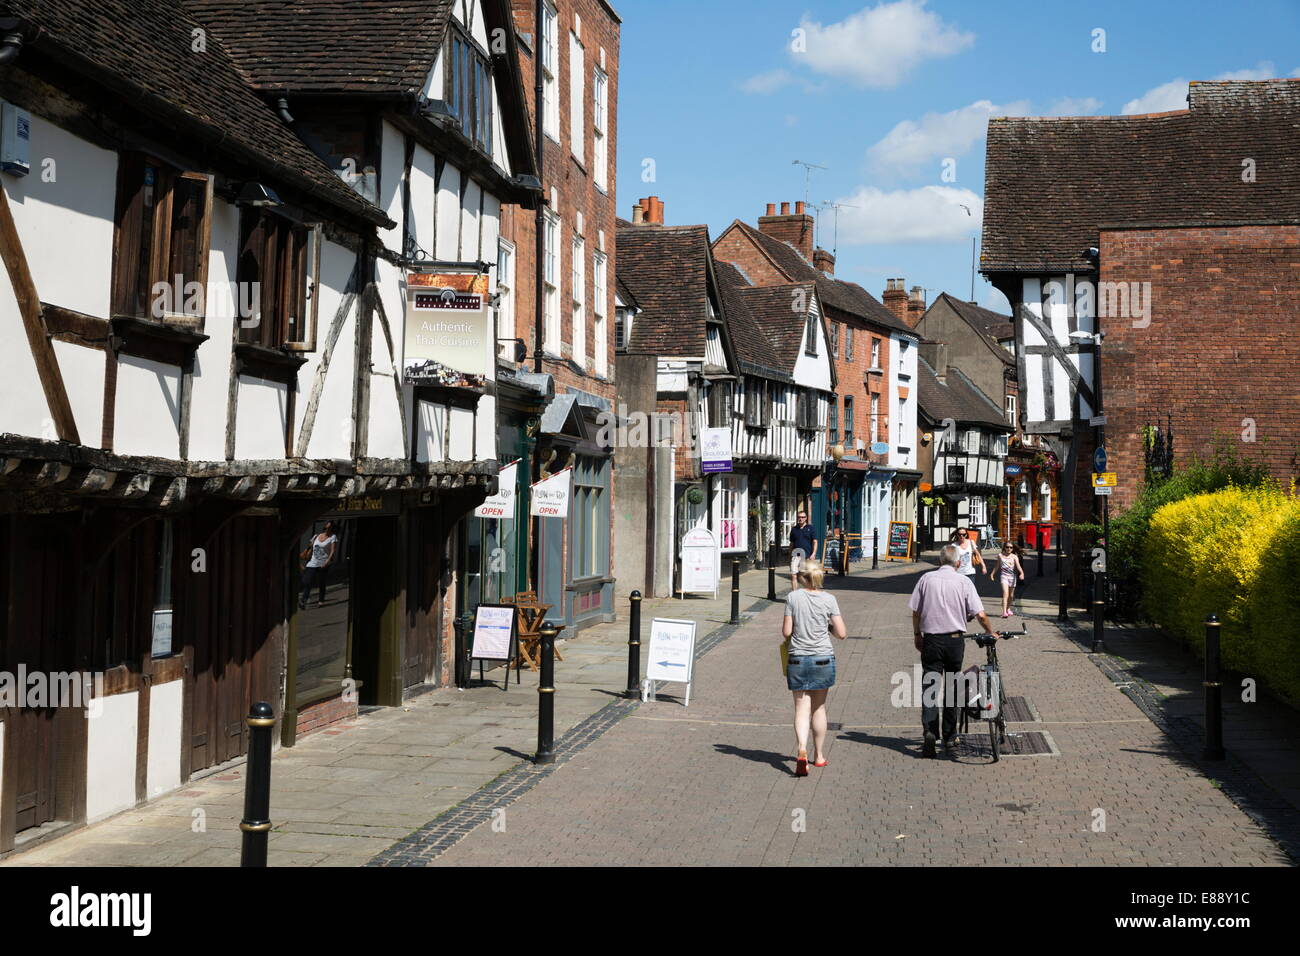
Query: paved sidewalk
column 713, row 783
column 346, row 793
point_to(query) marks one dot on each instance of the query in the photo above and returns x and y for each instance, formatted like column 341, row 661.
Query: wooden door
column 236, row 608
column 424, row 547
column 38, row 635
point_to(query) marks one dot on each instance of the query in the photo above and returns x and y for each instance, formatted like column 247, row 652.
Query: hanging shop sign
column 549, row 498
column 502, row 504
column 879, row 448
column 715, row 450
column 449, row 334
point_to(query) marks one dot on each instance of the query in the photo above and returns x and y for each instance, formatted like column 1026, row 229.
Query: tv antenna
column 837, row 206
column 807, row 176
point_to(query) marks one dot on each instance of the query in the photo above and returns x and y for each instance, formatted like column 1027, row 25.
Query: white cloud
column 926, row 214
column 768, row 82
column 1173, row 95
column 1296, row 72
column 879, row 46
column 1075, row 106
column 916, row 143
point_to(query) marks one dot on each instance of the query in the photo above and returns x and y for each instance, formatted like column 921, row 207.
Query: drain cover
column 1019, row 711
column 1026, row 744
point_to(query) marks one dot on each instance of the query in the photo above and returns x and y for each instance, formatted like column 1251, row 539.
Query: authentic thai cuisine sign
column 448, row 329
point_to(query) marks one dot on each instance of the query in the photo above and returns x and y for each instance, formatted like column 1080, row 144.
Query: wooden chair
column 532, row 615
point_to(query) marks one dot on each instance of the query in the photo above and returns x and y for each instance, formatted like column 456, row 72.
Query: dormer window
column 469, row 90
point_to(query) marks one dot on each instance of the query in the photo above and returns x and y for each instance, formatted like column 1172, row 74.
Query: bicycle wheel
column 993, row 739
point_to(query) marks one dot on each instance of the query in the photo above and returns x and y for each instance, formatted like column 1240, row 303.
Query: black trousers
column 312, row 576
column 941, row 656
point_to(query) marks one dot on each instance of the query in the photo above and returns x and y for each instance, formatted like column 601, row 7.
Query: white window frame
column 1011, row 409
column 577, row 99
column 875, row 417
column 599, row 129
column 875, row 352
column 1044, row 502
column 731, row 504
column 551, row 330
column 600, row 310
column 506, row 293
column 1022, row 491
column 550, row 68
column 578, row 297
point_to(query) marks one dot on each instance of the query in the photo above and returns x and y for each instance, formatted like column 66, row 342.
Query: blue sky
column 723, row 96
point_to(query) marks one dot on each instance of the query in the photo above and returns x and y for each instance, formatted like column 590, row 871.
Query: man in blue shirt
column 803, row 544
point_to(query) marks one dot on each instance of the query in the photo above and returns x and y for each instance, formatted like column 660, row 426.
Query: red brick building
column 1175, row 236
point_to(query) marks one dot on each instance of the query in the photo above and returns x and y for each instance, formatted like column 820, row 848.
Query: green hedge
column 1234, row 553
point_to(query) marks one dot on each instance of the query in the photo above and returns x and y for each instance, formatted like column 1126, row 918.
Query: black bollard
column 771, row 573
column 1098, row 611
column 1213, row 692
column 844, row 554
column 1063, row 611
column 546, row 698
column 462, row 625
column 735, row 591
column 256, row 825
column 634, row 647
column 875, row 548
column 1058, row 554
column 1040, row 554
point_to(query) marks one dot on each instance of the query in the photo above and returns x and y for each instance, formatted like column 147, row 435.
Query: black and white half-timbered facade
column 214, row 343
column 728, row 356
column 965, row 435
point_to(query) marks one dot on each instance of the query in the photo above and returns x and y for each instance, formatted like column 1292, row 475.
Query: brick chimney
column 823, row 261
column 895, row 298
column 653, row 211
column 915, row 306
column 796, row 228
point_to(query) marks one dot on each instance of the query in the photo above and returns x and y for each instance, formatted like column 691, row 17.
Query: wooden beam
column 38, row 338
column 322, row 367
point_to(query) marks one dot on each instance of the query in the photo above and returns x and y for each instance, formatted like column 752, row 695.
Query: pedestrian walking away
column 1009, row 570
column 320, row 555
column 803, row 545
column 942, row 603
column 811, row 617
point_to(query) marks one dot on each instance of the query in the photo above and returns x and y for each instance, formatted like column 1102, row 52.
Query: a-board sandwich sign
column 496, row 635
column 700, row 561
column 672, row 655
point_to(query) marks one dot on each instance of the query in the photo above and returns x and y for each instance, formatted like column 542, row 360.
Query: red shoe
column 801, row 764
column 820, row 763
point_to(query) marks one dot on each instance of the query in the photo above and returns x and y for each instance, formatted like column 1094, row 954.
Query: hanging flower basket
column 695, row 494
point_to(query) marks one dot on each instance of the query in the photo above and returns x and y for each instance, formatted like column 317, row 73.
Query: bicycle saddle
column 985, row 640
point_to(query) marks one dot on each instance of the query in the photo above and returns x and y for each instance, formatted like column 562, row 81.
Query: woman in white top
column 969, row 557
column 320, row 555
column 812, row 618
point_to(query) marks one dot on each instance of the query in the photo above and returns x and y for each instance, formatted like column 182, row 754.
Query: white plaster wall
column 163, row 771
column 211, row 382
column 147, row 417
column 461, row 425
column 23, row 409
column 66, row 225
column 486, row 424
column 902, row 374
column 814, row 371
column 392, row 159
column 448, row 215
column 336, row 264
column 423, row 192
column 83, row 376
column 331, row 435
column 432, row 424
column 110, row 756
column 260, row 418
column 470, row 241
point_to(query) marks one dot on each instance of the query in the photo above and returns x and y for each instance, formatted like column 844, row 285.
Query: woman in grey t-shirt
column 811, row 617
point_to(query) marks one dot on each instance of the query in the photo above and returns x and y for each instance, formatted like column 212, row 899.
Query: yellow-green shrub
column 1229, row 553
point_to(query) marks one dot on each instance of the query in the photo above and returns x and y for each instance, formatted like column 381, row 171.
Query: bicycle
column 990, row 701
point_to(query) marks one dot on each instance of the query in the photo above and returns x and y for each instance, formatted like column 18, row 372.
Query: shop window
column 719, row 404
column 276, row 274
column 161, row 241
column 733, row 499
column 1024, row 504
column 590, row 517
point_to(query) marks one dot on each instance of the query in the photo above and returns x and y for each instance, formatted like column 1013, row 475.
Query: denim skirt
column 810, row 673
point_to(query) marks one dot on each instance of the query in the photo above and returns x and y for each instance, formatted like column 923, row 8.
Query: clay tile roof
column 667, row 269
column 330, row 46
column 752, row 345
column 835, row 293
column 957, row 398
column 773, row 308
column 1051, row 183
column 141, row 51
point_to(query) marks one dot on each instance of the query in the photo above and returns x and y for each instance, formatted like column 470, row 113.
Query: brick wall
column 324, row 713
column 1221, row 351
